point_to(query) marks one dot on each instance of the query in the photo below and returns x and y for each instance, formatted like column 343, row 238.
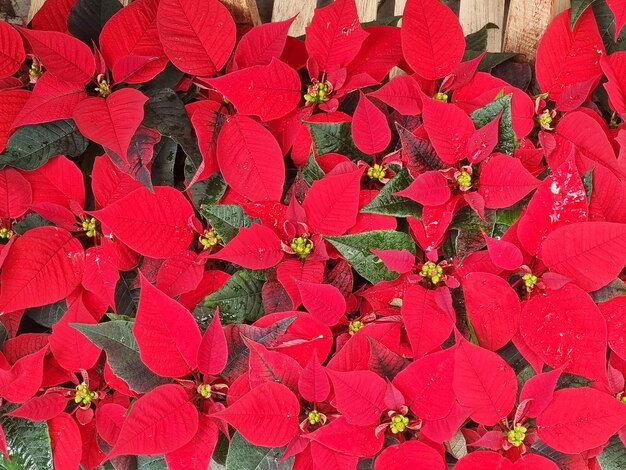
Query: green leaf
column 386, row 203
column 616, row 288
column 490, row 60
column 165, row 112
column 613, row 457
column 335, row 137
column 30, row 221
column 606, row 25
column 239, row 298
column 387, row 21
column 244, row 456
column 356, row 249
column 28, row 444
column 312, row 171
column 578, row 8
column 478, row 41
column 207, row 191
column 31, row 146
column 507, row 141
column 47, row 315
column 117, row 340
column 126, row 294
column 151, row 462
column 587, row 179
column 467, row 225
column 163, row 162
column 226, row 219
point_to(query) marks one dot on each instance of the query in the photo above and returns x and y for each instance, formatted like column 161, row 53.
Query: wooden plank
column 559, row 6
column 367, row 10
column 243, row 11
column 35, row 5
column 285, row 9
column 474, row 14
column 398, row 9
column 527, row 21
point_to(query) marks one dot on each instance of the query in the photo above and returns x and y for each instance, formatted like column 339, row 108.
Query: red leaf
column 313, row 383
column 101, row 275
column 23, row 380
column 255, row 247
column 66, row 442
column 250, row 159
column 161, row 421
column 432, row 38
column 53, row 15
column 198, row 37
column 332, row 203
column 566, row 56
column 324, row 301
column 359, row 395
column 130, row 69
column 335, row 35
column 132, row 32
column 12, row 52
column 401, row 93
column 324, row 457
column 267, row 91
column 504, row 181
column 483, row 141
column 565, row 327
column 539, row 389
column 410, row 454
column 167, row 334
column 613, row 312
column 290, row 271
column 401, row 261
column 109, row 421
column 180, row 273
column 485, row 460
column 153, row 224
column 213, row 349
column 347, row 438
column 493, row 309
column 271, row 366
column 379, row 53
column 448, row 127
column 266, row 416
column 15, row 193
column 64, row 56
column 261, row 44
column 427, row 385
column 196, row 454
column 51, row 99
column 505, row 255
column 429, row 189
column 591, row 253
column 427, row 324
column 370, row 130
column 618, row 8
column 113, row 121
column 42, row 408
column 483, row 382
column 11, row 104
column 579, row 419
column 43, row 266
column 59, row 181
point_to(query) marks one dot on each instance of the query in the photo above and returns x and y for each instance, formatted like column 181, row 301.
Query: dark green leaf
column 151, row 462
column 47, row 315
column 244, row 456
column 88, row 17
column 578, row 7
column 3, row 335
column 28, row 444
column 587, row 179
column 356, row 249
column 478, row 41
column 312, row 171
column 163, row 162
column 490, row 60
column 30, row 221
column 207, row 191
column 335, row 137
column 507, row 141
column 126, row 294
column 226, row 219
column 606, row 25
column 467, row 225
column 613, row 457
column 614, row 289
column 32, row 146
column 117, row 340
column 418, row 152
column 387, row 21
column 568, row 380
column 239, row 298
column 386, row 203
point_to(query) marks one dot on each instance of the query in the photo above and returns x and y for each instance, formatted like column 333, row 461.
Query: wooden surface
column 285, row 9
column 527, row 21
column 474, row 14
column 367, row 9
column 243, row 11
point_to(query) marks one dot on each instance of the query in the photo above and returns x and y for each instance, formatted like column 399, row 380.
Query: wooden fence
column 521, row 22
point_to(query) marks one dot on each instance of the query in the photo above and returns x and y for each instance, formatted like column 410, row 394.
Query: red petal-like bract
column 410, row 454
column 66, row 441
column 12, row 52
column 486, row 460
column 197, row 453
column 161, row 421
column 213, row 349
column 198, row 37
column 483, row 382
column 41, row 408
column 43, row 266
column 432, row 38
column 618, row 8
column 255, row 247
column 11, row 104
column 591, row 253
column 332, row 203
column 347, row 438
column 324, row 301
column 15, row 194
column 401, row 261
column 22, row 381
column 504, row 181
column 153, row 224
column 266, row 416
column 113, row 121
column 167, row 334
column 565, row 327
column 267, row 91
column 370, row 130
column 430, row 188
column 250, row 159
column 59, row 181
column 566, row 56
column 335, row 35
column 359, row 395
column 271, row 366
column 613, row 312
column 504, row 254
column 64, row 56
column 449, row 128
column 493, row 309
column 313, row 384
column 579, row 419
column 262, row 44
column 539, row 389
column 401, row 93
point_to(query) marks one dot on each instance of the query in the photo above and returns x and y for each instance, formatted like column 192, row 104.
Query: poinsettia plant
column 368, row 247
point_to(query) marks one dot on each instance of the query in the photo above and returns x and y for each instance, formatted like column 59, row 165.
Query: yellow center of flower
column 84, row 396
column 376, row 172
column 517, row 435
column 204, row 390
column 302, row 246
column 432, row 271
column 464, row 180
column 209, row 239
column 317, row 92
column 529, row 280
column 355, row 326
column 314, row 417
column 441, row 97
column 399, row 423
column 90, row 227
column 6, row 233
column 103, row 88
column 545, row 119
